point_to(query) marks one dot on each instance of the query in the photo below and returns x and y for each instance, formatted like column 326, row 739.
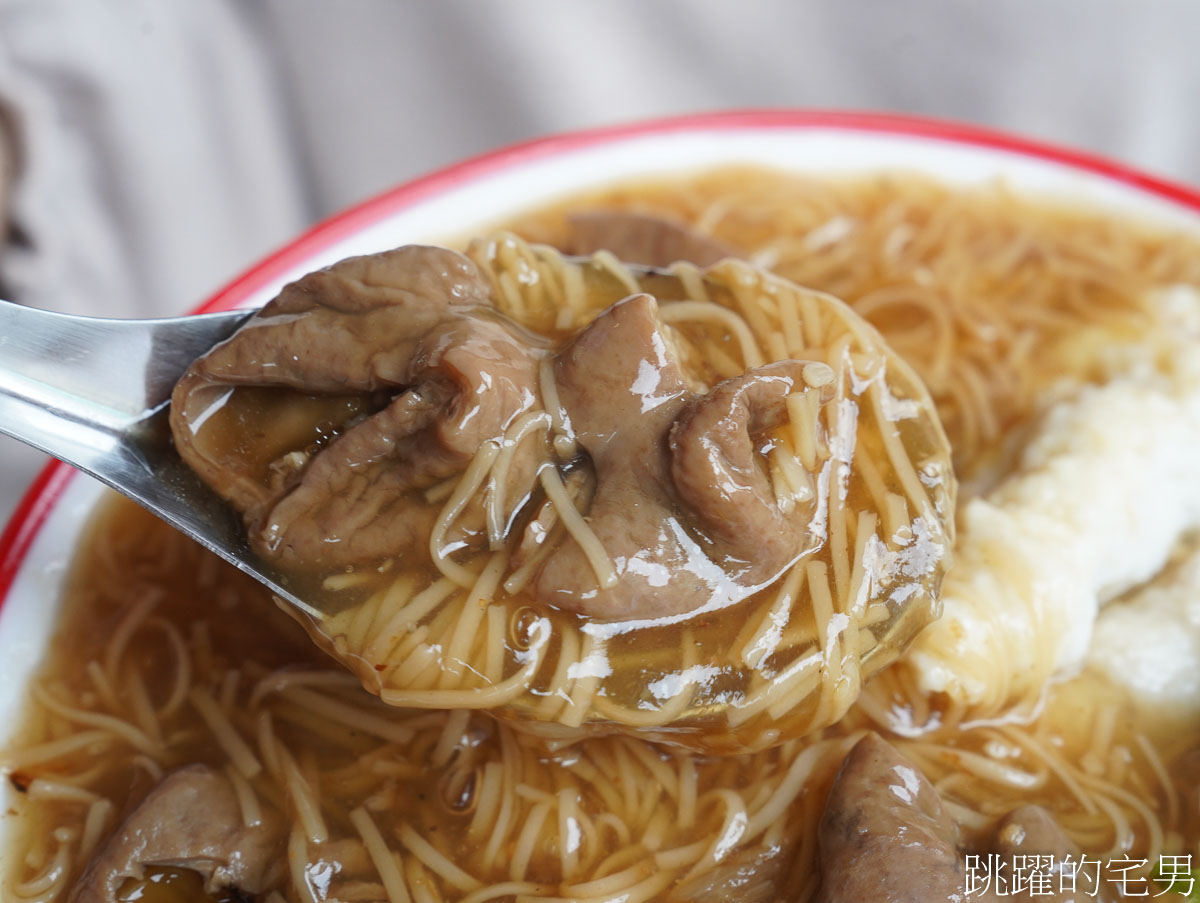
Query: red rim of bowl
column 47, row 488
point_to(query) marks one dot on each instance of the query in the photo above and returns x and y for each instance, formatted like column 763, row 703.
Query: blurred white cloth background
column 163, row 146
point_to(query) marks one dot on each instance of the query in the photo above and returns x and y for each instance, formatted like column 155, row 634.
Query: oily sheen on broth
column 167, row 659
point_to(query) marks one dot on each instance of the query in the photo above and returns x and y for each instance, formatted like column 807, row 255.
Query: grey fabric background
column 160, row 147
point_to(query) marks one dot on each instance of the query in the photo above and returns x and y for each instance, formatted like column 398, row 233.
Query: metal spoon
column 94, row 393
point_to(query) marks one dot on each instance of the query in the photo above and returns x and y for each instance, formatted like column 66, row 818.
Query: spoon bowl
column 95, row 393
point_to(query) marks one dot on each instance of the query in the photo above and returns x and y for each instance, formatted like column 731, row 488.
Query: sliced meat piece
column 358, row 500
column 192, row 820
column 885, row 836
column 425, row 372
column 622, row 389
column 351, row 326
column 640, row 238
column 721, row 476
column 659, row 503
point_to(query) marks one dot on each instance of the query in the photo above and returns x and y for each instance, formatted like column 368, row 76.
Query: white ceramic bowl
column 36, row 548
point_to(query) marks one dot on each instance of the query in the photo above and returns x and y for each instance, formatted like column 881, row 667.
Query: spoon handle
column 94, row 393
column 75, row 387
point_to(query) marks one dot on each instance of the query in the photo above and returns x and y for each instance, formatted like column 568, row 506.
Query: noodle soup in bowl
column 647, row 168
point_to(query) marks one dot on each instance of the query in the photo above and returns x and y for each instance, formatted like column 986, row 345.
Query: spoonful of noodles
column 95, row 393
column 700, row 504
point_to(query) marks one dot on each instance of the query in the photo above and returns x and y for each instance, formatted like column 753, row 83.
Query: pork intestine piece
column 641, row 238
column 683, row 507
column 192, row 820
column 887, row 836
column 414, row 326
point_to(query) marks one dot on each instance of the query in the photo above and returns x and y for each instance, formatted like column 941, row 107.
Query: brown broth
column 1071, row 280
column 241, row 638
column 255, row 426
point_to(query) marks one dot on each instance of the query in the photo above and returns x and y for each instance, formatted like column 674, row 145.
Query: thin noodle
column 224, row 732
column 436, row 861
column 381, row 856
column 297, row 857
column 125, row 630
column 496, row 507
column 114, row 726
column 98, row 816
column 581, row 533
column 468, row 484
column 247, row 801
column 308, row 809
column 707, row 312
